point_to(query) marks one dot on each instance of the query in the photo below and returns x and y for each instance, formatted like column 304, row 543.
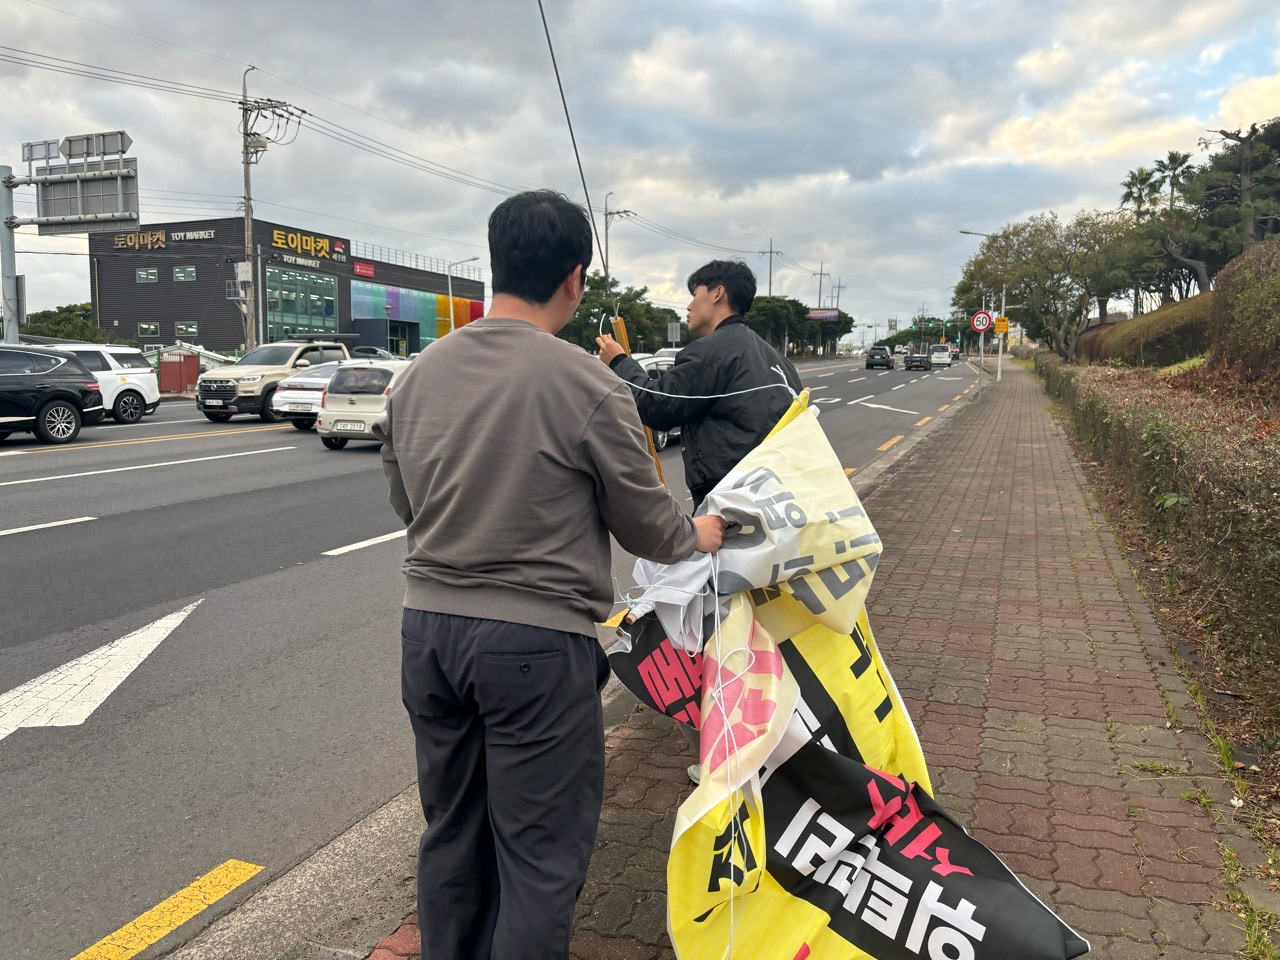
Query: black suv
column 880, row 357
column 46, row 392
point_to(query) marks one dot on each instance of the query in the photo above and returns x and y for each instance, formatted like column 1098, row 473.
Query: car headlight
column 250, row 379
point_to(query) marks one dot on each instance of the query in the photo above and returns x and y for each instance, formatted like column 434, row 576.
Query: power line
column 91, row 71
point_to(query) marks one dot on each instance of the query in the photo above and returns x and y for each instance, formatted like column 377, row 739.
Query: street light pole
column 450, row 268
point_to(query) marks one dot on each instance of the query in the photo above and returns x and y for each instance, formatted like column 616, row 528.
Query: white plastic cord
column 717, row 396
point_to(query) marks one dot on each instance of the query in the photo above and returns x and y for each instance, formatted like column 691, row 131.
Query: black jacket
column 715, row 433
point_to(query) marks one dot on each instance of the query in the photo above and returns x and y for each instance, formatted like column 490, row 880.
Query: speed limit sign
column 981, row 322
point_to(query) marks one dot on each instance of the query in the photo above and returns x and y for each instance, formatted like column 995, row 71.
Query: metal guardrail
column 416, row 261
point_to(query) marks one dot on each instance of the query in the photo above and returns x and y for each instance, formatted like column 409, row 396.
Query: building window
column 184, row 273
column 188, row 330
column 299, row 302
column 147, row 274
column 149, row 329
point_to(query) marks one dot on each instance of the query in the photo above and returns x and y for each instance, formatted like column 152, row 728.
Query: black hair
column 736, row 278
column 536, row 239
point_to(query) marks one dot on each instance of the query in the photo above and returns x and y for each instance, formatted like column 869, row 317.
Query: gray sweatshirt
column 511, row 456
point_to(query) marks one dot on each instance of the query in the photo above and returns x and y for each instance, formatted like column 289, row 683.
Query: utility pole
column 771, row 253
column 8, row 260
column 608, row 216
column 247, row 287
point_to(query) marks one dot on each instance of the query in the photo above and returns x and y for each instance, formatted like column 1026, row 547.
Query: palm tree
column 1170, row 171
column 1142, row 189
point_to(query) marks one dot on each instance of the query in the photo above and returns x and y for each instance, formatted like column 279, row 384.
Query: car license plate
column 300, row 406
column 213, row 403
column 348, row 425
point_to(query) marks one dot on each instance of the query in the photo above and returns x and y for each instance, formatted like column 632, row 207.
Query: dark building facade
column 177, row 281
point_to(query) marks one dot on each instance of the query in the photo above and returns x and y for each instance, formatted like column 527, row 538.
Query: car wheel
column 334, row 443
column 128, row 407
column 268, row 415
column 57, row 422
column 218, row 417
column 660, row 439
column 303, row 424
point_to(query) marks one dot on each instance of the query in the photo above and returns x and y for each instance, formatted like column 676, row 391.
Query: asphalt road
column 268, row 721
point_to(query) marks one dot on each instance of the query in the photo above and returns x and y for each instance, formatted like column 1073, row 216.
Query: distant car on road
column 46, row 392
column 246, row 386
column 130, row 385
column 940, row 355
column 374, row 353
column 955, row 354
column 355, row 400
column 918, row 360
column 297, row 398
column 880, row 357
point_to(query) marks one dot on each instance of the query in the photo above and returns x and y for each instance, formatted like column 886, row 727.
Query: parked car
column 917, row 360
column 880, row 357
column 654, row 366
column 668, row 352
column 46, row 392
column 373, row 353
column 940, row 355
column 297, row 398
column 246, row 386
column 355, row 399
column 130, row 385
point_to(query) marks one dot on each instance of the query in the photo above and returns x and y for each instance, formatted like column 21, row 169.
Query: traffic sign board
column 1002, row 324
column 981, row 322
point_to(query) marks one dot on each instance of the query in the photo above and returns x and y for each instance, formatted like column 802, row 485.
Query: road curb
column 338, row 903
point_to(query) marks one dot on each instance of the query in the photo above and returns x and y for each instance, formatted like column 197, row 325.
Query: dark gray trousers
column 510, row 749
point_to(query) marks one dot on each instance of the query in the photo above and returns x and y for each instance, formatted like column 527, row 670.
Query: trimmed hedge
column 1211, row 495
column 1246, row 322
column 1175, row 332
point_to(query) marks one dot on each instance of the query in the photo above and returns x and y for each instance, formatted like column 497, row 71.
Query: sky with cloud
column 856, row 136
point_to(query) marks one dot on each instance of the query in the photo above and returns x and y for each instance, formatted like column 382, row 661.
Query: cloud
column 859, row 135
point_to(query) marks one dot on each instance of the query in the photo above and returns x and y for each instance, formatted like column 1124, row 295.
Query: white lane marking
column 46, row 526
column 362, row 544
column 899, row 386
column 869, row 396
column 951, row 378
column 832, row 374
column 880, row 406
column 827, row 400
column 67, row 695
column 143, row 466
column 885, row 374
column 12, row 453
column 857, row 379
column 823, row 387
column 917, row 380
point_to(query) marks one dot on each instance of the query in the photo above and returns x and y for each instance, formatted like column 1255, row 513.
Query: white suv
column 940, row 355
column 130, row 386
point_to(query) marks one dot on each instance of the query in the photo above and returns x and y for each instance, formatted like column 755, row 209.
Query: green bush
column 1175, row 332
column 1246, row 323
column 1212, row 498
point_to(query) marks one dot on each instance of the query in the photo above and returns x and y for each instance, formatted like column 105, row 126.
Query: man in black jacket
column 716, row 430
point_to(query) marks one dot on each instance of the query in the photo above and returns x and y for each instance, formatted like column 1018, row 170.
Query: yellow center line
column 944, row 408
column 892, row 442
column 924, row 421
column 955, row 398
column 171, row 436
column 850, row 471
column 168, row 915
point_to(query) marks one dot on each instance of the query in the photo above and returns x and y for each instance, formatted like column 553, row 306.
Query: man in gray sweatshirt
column 512, row 456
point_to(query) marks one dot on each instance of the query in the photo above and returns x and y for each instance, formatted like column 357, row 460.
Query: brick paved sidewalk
column 1040, row 684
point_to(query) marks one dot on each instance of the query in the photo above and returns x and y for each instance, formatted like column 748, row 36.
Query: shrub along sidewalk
column 1198, row 460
